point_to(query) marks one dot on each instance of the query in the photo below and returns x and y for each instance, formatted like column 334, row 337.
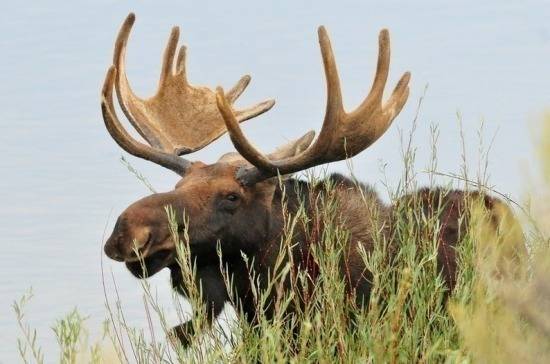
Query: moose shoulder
column 240, row 202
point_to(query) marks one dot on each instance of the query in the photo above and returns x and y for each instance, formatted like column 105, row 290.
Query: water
column 62, row 183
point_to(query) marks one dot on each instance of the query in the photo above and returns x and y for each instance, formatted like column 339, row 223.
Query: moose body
column 241, row 202
column 255, row 228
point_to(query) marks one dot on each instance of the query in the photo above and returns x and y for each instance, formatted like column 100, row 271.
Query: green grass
column 498, row 313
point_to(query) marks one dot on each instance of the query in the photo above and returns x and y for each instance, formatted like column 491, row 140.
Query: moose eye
column 230, row 202
column 232, row 197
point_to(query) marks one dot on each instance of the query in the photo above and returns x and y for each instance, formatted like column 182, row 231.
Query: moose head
column 230, row 201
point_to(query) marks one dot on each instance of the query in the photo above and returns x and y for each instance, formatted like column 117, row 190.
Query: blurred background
column 62, row 183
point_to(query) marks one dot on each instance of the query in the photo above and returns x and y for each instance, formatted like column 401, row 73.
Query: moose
column 239, row 203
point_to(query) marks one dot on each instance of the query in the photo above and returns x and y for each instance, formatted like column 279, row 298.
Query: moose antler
column 343, row 135
column 179, row 119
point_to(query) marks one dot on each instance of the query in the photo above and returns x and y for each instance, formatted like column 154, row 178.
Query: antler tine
column 374, row 98
column 233, row 94
column 343, row 135
column 125, row 141
column 122, row 38
column 240, row 142
column 334, row 107
column 180, row 63
column 168, row 57
column 382, row 66
column 123, row 89
column 399, row 96
column 254, row 111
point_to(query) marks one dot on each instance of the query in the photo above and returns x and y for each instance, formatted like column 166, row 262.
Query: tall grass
column 499, row 311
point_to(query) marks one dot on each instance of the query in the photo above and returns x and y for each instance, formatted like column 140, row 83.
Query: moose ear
column 231, row 157
column 293, row 147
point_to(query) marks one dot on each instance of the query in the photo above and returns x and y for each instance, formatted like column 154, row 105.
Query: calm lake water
column 62, row 184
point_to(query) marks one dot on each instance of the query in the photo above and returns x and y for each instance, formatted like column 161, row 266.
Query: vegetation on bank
column 498, row 313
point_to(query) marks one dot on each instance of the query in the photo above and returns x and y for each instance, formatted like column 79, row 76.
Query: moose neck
column 337, row 200
column 287, row 200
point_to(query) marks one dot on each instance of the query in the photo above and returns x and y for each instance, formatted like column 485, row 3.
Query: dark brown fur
column 253, row 225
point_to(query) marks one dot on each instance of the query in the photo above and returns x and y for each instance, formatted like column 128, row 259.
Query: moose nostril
column 141, row 238
column 112, row 252
column 143, row 246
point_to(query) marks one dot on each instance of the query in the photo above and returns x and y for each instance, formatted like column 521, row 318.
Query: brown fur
column 253, row 224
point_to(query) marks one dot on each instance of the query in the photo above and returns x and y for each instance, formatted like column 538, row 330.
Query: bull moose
column 239, row 202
